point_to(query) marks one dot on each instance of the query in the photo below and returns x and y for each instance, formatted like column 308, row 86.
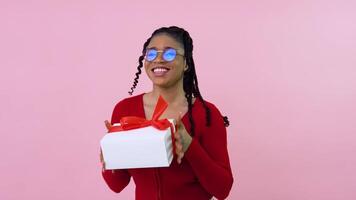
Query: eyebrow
column 167, row 47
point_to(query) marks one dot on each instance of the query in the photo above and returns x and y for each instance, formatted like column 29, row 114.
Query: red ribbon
column 133, row 122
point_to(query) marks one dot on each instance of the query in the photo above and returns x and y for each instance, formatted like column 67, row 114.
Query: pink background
column 283, row 71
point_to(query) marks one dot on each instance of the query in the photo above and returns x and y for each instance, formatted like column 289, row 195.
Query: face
column 161, row 72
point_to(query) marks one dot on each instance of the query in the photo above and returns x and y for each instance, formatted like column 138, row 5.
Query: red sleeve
column 117, row 179
column 209, row 157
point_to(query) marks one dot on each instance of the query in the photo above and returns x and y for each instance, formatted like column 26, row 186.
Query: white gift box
column 137, row 148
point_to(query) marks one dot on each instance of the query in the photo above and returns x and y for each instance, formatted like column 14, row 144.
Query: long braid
column 191, row 82
column 190, row 113
column 140, row 61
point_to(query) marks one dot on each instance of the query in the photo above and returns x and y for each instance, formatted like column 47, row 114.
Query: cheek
column 179, row 65
column 146, row 65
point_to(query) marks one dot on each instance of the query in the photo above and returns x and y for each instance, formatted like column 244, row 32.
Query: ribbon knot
column 133, row 122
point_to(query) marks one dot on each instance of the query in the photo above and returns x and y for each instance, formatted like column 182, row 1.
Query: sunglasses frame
column 162, row 52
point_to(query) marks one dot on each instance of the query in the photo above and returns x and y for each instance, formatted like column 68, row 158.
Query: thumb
column 108, row 124
column 179, row 119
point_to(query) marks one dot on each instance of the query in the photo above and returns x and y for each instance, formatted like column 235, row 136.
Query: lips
column 160, row 71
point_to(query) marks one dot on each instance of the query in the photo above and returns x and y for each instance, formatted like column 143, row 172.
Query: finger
column 180, row 115
column 179, row 159
column 177, row 136
column 103, row 167
column 179, row 149
column 107, row 124
column 178, row 119
column 179, row 145
column 180, row 156
column 101, row 156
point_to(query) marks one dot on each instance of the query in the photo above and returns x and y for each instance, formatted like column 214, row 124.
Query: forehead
column 163, row 41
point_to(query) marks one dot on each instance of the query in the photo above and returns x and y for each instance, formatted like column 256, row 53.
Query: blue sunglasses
column 168, row 54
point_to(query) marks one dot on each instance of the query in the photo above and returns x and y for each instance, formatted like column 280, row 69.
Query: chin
column 161, row 85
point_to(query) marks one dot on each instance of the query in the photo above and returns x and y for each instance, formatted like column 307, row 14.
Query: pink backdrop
column 283, row 71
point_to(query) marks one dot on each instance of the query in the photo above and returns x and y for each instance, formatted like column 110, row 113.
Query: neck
column 172, row 95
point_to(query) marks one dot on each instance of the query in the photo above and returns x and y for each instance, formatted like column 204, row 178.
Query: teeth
column 160, row 69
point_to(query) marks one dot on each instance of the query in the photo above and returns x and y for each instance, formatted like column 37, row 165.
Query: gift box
column 139, row 143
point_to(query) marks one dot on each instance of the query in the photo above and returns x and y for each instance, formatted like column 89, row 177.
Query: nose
column 159, row 58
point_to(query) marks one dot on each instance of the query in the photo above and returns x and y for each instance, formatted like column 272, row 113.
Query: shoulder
column 128, row 102
column 126, row 106
column 211, row 106
column 199, row 112
column 217, row 122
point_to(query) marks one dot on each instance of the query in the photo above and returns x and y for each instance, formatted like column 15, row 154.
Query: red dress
column 205, row 169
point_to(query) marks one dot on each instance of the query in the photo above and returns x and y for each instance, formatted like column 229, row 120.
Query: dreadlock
column 190, row 81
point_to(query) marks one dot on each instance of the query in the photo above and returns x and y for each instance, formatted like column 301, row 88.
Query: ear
column 185, row 65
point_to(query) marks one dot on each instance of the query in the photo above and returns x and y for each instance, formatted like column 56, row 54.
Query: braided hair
column 190, row 81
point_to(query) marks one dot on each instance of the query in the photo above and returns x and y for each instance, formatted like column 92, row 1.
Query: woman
column 201, row 168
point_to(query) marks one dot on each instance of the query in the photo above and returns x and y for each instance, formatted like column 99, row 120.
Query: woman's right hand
column 102, row 160
column 108, row 126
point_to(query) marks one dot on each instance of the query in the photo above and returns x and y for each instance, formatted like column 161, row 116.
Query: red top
column 205, row 168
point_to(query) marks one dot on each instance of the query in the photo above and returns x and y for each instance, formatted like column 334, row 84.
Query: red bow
column 132, row 122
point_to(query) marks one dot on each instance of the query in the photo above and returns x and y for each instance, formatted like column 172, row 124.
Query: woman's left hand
column 183, row 139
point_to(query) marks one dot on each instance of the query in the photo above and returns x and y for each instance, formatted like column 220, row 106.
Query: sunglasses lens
column 151, row 55
column 169, row 54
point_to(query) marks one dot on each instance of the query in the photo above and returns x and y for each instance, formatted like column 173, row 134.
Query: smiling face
column 165, row 73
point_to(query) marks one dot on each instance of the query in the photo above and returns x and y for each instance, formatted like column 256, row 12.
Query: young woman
column 201, row 168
